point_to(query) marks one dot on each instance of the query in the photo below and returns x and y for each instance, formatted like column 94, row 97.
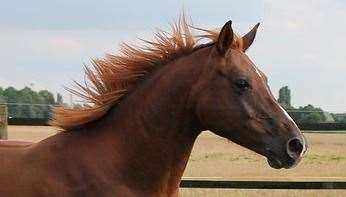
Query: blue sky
column 43, row 44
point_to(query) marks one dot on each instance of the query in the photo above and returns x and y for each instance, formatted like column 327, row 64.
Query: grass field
column 217, row 158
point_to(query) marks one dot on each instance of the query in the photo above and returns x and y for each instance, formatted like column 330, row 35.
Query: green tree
column 313, row 117
column 310, row 114
column 310, row 108
column 48, row 97
column 285, row 97
column 59, row 99
column 305, row 114
column 2, row 97
column 10, row 94
column 21, row 99
column 341, row 118
column 26, row 96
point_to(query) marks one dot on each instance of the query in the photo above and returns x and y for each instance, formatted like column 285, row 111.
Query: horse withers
column 144, row 110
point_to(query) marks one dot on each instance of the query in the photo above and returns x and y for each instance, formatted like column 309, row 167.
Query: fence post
column 3, row 121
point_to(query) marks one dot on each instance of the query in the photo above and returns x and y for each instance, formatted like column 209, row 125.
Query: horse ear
column 224, row 42
column 249, row 37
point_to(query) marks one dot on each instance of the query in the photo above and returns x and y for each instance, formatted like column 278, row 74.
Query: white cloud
column 51, row 59
column 299, row 43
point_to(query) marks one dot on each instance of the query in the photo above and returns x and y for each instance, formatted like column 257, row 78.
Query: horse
column 143, row 111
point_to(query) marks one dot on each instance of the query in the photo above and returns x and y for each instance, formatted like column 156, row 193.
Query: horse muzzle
column 295, row 149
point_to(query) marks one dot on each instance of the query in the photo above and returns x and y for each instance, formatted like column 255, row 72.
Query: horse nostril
column 294, row 147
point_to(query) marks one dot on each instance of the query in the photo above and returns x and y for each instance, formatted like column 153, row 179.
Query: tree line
column 308, row 113
column 18, row 102
column 27, row 103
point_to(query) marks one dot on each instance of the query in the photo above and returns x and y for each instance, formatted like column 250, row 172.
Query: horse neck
column 155, row 127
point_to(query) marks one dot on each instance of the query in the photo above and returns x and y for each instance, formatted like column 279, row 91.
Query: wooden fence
column 212, row 184
column 3, row 121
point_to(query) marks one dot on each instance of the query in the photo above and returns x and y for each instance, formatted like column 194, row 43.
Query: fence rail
column 322, row 126
column 212, row 184
column 308, row 128
column 28, row 121
column 40, row 116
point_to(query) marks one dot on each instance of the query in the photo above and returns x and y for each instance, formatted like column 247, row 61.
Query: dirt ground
column 213, row 156
column 29, row 133
column 217, row 158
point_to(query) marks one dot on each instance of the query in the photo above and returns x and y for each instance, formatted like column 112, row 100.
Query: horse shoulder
column 11, row 151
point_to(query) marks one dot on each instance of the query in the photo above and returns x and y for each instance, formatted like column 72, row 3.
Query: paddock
column 214, row 159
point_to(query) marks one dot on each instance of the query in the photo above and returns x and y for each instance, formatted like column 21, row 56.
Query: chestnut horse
column 145, row 109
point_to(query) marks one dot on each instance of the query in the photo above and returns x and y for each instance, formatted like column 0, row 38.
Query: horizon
column 73, row 102
column 45, row 44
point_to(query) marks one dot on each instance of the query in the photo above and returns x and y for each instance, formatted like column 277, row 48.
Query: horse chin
column 274, row 163
column 277, row 164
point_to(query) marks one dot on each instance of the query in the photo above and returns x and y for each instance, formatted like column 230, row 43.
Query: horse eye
column 242, row 84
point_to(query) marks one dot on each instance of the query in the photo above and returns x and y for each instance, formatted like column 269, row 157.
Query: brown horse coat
column 140, row 146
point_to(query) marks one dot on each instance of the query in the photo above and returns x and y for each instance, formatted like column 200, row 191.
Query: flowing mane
column 110, row 78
